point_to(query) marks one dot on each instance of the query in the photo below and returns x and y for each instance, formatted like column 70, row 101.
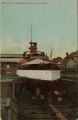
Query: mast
column 33, row 45
column 77, row 25
column 31, row 33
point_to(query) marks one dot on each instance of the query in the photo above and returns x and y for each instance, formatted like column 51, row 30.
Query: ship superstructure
column 36, row 65
column 33, row 53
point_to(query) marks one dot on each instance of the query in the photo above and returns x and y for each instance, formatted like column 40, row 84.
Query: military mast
column 33, row 45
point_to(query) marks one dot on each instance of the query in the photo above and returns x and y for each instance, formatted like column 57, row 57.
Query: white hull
column 48, row 75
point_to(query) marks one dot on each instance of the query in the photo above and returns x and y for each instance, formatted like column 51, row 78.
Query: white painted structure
column 49, row 75
column 36, row 61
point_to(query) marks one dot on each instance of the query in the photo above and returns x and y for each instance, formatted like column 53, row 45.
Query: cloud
column 10, row 46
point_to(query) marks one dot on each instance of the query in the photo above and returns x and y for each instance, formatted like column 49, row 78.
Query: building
column 10, row 58
column 9, row 62
column 58, row 61
column 69, row 75
column 70, row 61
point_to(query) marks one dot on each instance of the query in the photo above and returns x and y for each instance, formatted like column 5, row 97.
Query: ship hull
column 44, row 86
column 47, row 75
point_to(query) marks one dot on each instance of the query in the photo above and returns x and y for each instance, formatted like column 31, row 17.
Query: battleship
column 36, row 65
column 37, row 70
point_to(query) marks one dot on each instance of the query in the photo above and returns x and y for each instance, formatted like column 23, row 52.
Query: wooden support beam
column 13, row 90
column 56, row 113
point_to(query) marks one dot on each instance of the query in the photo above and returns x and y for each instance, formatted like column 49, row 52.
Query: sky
column 54, row 26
